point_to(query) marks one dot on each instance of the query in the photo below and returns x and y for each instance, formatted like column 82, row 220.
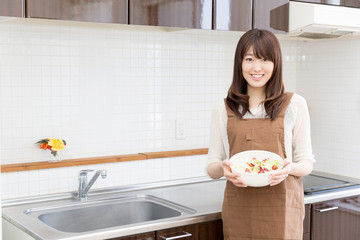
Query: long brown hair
column 265, row 45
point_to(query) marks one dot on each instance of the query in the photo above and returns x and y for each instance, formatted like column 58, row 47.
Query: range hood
column 316, row 21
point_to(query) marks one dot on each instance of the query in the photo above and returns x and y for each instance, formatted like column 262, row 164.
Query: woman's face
column 256, row 71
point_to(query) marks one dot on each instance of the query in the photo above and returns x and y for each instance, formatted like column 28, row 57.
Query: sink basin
column 109, row 215
column 90, row 216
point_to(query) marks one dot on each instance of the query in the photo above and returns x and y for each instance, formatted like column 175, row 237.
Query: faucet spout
column 93, row 179
column 84, row 186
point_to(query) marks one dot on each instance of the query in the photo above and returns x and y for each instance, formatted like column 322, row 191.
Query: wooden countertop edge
column 178, row 153
column 17, row 167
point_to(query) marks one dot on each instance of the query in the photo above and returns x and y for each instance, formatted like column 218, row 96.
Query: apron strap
column 285, row 104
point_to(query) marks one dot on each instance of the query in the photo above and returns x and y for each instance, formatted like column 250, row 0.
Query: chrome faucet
column 84, row 186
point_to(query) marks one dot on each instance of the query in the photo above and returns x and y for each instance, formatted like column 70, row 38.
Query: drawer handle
column 186, row 234
column 326, row 209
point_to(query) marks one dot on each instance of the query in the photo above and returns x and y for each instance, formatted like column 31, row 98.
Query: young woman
column 258, row 115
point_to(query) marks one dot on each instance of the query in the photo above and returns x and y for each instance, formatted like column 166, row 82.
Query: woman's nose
column 257, row 66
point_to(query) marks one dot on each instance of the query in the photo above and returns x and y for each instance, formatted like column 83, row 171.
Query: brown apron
column 271, row 212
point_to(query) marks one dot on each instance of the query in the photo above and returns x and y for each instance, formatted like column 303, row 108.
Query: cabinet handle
column 186, row 234
column 327, row 209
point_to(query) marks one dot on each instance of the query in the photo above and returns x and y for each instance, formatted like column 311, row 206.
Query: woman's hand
column 281, row 175
column 232, row 177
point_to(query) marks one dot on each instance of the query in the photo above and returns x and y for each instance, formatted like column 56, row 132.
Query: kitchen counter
column 201, row 194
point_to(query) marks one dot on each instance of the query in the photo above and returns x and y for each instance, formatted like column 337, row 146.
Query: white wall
column 110, row 90
column 328, row 76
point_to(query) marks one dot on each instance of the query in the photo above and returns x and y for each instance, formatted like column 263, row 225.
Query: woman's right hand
column 235, row 178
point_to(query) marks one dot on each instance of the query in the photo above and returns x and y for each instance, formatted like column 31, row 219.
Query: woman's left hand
column 281, row 175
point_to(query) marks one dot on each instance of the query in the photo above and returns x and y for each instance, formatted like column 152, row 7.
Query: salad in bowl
column 256, row 166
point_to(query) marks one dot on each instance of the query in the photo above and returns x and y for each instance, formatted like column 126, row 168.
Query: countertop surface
column 203, row 195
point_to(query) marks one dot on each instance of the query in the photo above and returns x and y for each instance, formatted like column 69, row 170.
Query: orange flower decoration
column 53, row 144
column 44, row 146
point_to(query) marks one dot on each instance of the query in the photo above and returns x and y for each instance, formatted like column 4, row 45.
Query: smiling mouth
column 257, row 76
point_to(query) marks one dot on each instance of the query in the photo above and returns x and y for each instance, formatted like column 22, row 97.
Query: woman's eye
column 264, row 60
column 248, row 59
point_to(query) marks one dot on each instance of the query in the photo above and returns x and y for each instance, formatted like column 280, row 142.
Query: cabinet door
column 265, row 12
column 232, row 15
column 105, row 11
column 144, row 236
column 336, row 219
column 306, row 224
column 11, row 8
column 348, row 3
column 306, row 236
column 170, row 13
column 352, row 3
column 202, row 231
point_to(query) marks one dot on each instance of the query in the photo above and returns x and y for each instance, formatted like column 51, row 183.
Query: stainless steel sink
column 109, row 215
column 90, row 216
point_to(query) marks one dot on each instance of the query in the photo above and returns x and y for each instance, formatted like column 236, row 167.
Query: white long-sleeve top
column 296, row 130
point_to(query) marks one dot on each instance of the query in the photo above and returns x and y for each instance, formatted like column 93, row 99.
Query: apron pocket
column 244, row 197
column 271, row 199
column 266, row 139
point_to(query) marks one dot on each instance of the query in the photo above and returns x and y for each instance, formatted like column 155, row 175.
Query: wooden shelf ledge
column 17, row 167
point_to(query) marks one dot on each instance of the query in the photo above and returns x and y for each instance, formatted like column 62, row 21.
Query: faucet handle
column 85, row 172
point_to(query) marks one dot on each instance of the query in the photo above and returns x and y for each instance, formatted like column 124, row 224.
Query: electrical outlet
column 180, row 132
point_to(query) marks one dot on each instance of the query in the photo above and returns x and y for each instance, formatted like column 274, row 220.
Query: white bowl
column 254, row 179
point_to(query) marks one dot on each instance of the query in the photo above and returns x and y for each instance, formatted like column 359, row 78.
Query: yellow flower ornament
column 52, row 144
column 56, row 144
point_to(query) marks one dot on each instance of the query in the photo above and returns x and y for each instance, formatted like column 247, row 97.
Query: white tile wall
column 328, row 76
column 39, row 182
column 110, row 90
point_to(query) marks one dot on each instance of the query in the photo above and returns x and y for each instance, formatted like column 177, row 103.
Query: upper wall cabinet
column 232, row 15
column 347, row 3
column 11, row 8
column 171, row 13
column 262, row 15
column 104, row 11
